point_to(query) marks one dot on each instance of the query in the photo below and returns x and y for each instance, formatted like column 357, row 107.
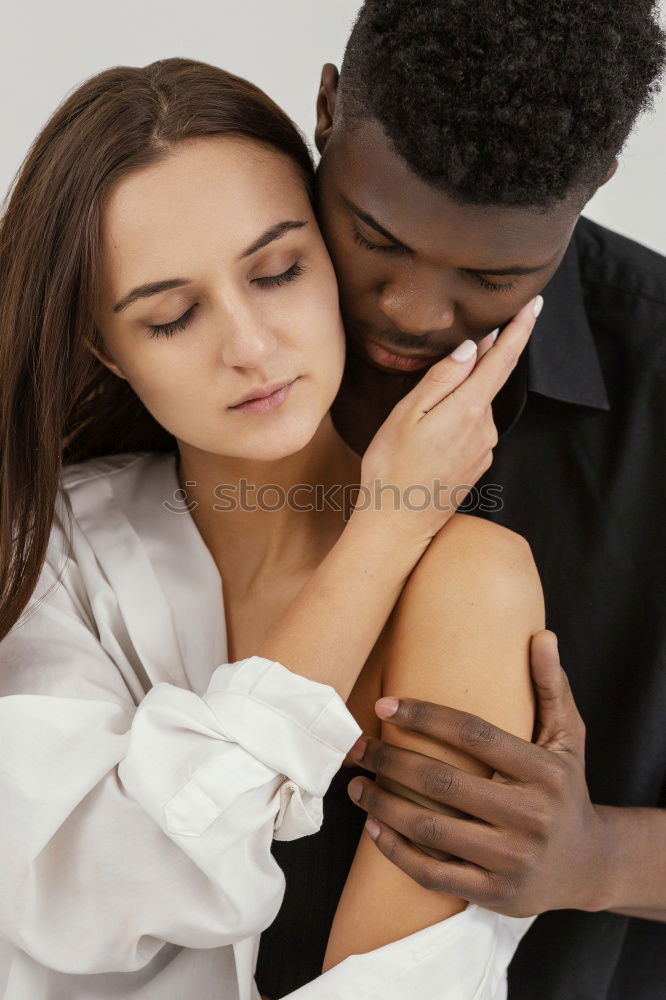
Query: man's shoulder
column 618, row 264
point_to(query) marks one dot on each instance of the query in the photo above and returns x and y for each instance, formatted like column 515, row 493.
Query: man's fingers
column 468, row 840
column 456, row 878
column 559, row 724
column 438, row 781
column 504, row 752
column 493, row 370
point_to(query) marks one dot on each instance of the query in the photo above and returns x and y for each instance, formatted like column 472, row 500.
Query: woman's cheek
column 159, row 379
column 327, row 332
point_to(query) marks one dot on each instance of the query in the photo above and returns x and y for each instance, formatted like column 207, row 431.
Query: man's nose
column 419, row 309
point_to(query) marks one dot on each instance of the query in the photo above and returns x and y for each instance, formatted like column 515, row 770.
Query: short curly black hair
column 514, row 102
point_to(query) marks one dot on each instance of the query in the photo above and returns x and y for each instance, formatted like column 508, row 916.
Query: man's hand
column 531, row 840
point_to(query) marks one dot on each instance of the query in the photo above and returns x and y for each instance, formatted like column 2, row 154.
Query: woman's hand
column 442, row 428
column 439, row 438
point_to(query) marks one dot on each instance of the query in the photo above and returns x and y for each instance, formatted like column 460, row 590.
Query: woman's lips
column 396, row 361
column 266, row 403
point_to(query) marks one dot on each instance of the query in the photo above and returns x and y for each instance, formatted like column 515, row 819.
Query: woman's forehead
column 212, row 195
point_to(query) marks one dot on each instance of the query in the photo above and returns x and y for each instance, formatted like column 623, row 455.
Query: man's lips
column 398, row 362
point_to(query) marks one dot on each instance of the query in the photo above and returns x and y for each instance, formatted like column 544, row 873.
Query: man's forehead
column 371, row 176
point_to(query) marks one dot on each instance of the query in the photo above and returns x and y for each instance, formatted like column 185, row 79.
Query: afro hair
column 515, row 102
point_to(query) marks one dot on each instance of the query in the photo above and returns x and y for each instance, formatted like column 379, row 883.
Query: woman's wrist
column 396, row 540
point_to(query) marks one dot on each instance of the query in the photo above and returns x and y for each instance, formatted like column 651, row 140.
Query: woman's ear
column 326, row 97
column 104, row 358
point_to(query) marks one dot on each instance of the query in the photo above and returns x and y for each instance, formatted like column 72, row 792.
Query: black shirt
column 581, row 462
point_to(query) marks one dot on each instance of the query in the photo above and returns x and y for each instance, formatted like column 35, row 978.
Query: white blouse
column 142, row 777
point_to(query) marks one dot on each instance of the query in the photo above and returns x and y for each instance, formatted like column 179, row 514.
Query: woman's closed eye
column 275, row 280
column 266, row 281
column 168, row 329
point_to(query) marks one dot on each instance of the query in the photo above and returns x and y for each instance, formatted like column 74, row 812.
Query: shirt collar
column 562, row 359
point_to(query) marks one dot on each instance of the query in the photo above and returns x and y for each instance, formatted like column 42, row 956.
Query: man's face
column 419, row 273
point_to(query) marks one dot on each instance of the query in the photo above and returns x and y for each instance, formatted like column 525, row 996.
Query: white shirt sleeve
column 464, row 957
column 126, row 827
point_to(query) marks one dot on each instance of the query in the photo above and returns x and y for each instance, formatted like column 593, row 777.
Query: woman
column 176, row 657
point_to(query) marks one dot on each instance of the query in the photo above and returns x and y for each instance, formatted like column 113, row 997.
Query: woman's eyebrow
column 145, row 291
column 272, row 233
column 155, row 287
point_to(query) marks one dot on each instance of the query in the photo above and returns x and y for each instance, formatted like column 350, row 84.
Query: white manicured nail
column 538, row 305
column 464, row 351
column 494, row 334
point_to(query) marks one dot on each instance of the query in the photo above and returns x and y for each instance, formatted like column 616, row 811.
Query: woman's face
column 248, row 300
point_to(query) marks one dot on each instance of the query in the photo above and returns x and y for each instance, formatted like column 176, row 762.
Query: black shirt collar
column 561, row 360
column 562, row 357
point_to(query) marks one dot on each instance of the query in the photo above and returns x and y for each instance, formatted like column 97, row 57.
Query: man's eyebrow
column 154, row 287
column 518, row 269
column 272, row 233
column 500, row 272
column 370, row 221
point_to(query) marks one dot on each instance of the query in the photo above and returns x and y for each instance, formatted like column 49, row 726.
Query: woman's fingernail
column 358, row 749
column 464, row 351
column 494, row 334
column 538, row 305
column 386, row 707
column 373, row 828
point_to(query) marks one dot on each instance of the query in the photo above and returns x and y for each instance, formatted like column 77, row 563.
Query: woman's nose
column 247, row 340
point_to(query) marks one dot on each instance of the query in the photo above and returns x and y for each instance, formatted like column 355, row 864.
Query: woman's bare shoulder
column 468, row 529
column 476, row 553
column 461, row 630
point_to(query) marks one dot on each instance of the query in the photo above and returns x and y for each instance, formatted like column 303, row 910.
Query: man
column 459, row 146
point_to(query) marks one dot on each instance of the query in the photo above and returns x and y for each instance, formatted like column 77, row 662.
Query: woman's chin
column 262, row 437
column 266, row 451
column 272, row 444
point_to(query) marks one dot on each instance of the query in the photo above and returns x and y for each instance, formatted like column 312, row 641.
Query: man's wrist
column 630, row 874
column 607, row 873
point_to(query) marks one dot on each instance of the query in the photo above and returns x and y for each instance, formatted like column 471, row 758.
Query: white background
column 48, row 47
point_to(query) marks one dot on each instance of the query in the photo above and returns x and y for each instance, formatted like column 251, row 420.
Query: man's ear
column 326, row 97
column 104, row 358
column 611, row 171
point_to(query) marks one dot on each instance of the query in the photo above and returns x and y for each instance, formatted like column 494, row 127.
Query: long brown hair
column 58, row 403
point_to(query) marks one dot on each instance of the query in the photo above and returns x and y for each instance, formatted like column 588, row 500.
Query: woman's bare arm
column 440, row 431
column 459, row 636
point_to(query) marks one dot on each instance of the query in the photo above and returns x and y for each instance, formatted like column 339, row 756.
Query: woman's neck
column 272, row 517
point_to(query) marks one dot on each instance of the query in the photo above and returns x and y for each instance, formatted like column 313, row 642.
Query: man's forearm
column 635, row 877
